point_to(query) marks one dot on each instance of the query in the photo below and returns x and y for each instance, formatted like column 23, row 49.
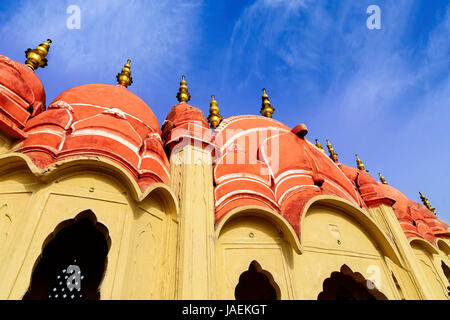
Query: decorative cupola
column 214, row 117
column 186, row 124
column 92, row 120
column 183, row 92
column 266, row 108
column 124, row 77
column 426, row 203
column 318, row 145
column 22, row 93
column 333, row 155
column 382, row 179
column 359, row 163
column 37, row 57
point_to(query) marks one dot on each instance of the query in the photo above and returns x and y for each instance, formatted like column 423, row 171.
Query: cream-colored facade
column 165, row 244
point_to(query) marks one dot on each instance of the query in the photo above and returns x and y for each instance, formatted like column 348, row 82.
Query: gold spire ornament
column 426, row 203
column 333, row 155
column 37, row 57
column 183, row 93
column 318, row 145
column 359, row 163
column 382, row 179
column 124, row 77
column 214, row 117
column 266, row 108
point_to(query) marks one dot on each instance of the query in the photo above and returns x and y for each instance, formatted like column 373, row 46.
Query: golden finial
column 183, row 93
column 333, row 155
column 266, row 108
column 318, row 145
column 382, row 179
column 37, row 57
column 426, row 203
column 124, row 77
column 359, row 163
column 214, row 117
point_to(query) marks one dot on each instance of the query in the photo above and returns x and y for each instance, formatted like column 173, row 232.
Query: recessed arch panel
column 356, row 216
column 247, row 239
column 256, row 284
column 348, row 285
column 73, row 261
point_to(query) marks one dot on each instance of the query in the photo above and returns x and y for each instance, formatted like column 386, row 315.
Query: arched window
column 73, row 261
column 346, row 285
column 256, row 284
column 446, row 270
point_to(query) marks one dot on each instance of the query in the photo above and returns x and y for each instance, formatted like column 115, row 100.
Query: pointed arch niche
column 348, row 285
column 256, row 284
column 73, row 261
column 334, row 232
column 137, row 221
column 254, row 247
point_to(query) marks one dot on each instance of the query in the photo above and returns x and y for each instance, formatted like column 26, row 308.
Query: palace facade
column 98, row 201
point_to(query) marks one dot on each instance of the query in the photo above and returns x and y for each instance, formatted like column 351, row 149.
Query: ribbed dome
column 183, row 112
column 21, row 80
column 185, row 121
column 36, row 86
column 415, row 219
column 263, row 162
column 89, row 97
column 21, row 95
column 99, row 120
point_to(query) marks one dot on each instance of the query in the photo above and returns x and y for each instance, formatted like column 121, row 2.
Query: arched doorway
column 256, row 284
column 347, row 285
column 73, row 261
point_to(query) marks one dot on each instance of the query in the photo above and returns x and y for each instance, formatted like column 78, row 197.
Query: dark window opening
column 446, row 270
column 72, row 264
column 344, row 286
column 256, row 284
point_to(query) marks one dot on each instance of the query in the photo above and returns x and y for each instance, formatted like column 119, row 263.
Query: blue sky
column 384, row 94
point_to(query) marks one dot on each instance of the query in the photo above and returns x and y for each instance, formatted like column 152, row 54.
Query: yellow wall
column 430, row 262
column 5, row 143
column 192, row 183
column 165, row 245
column 248, row 238
column 253, row 237
column 142, row 256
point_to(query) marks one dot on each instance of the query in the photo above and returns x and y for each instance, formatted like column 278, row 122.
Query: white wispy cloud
column 355, row 70
column 380, row 93
column 258, row 30
column 156, row 35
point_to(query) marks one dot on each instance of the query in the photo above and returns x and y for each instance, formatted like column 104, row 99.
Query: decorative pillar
column 187, row 138
column 191, row 169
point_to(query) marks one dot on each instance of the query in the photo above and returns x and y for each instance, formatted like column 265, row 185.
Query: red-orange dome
column 21, row 95
column 263, row 162
column 36, row 86
column 185, row 124
column 99, row 120
column 89, row 97
column 415, row 219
